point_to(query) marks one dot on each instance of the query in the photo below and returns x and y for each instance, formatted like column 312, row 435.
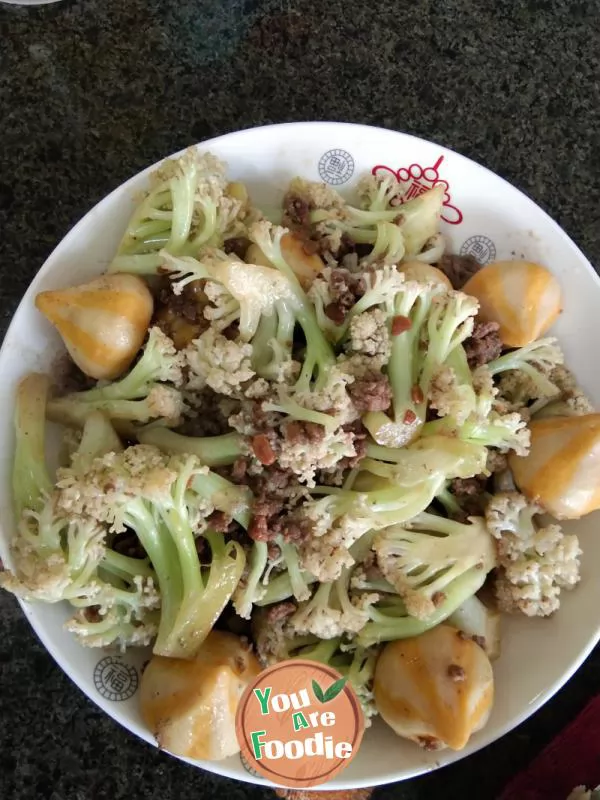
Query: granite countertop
column 92, row 91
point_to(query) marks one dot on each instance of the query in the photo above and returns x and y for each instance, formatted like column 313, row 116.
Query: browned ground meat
column 458, row 268
column 296, row 211
column 219, row 521
column 236, row 246
column 345, row 289
column 372, row 393
column 180, row 316
column 297, row 432
column 279, row 611
column 468, row 487
column 275, row 492
column 128, row 544
column 239, row 469
column 470, row 493
column 484, row 345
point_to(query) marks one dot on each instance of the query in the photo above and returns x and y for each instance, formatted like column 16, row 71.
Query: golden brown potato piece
column 435, row 689
column 562, row 470
column 190, row 706
column 306, row 265
column 103, row 323
column 524, row 298
column 424, row 273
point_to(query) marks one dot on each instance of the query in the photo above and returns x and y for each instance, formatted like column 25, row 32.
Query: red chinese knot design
column 418, row 180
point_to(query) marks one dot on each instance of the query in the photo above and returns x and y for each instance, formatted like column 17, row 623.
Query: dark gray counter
column 92, row 91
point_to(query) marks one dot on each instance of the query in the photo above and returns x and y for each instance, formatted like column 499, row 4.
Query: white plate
column 483, row 215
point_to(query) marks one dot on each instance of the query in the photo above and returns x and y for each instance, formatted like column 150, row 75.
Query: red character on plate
column 417, row 180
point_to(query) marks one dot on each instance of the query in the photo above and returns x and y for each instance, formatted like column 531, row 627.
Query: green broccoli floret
column 423, row 558
column 142, row 395
column 187, row 207
column 165, row 500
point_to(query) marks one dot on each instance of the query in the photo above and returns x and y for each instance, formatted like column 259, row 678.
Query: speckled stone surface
column 92, row 91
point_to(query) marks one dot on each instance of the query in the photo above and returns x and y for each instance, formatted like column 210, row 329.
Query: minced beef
column 237, row 246
column 345, row 289
column 239, row 469
column 280, row 611
column 458, row 269
column 297, row 432
column 372, row 393
column 484, row 344
column 470, row 493
column 180, row 316
column 219, row 521
column 274, row 491
column 296, row 211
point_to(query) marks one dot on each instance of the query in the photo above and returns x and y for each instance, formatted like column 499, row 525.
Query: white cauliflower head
column 222, row 364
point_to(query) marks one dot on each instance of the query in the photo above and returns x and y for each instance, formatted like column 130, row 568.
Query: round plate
column 482, row 215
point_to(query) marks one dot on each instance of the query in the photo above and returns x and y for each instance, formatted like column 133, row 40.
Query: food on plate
column 561, row 472
column 102, row 323
column 524, row 298
column 305, row 264
column 435, row 689
column 420, row 271
column 325, row 443
column 190, row 705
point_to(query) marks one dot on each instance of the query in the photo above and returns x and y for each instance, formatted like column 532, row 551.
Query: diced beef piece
column 484, row 345
column 458, row 268
column 372, row 393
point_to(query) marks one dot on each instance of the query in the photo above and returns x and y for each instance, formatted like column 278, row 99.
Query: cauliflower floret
column 578, row 404
column 369, row 336
column 333, row 399
column 332, row 612
column 448, row 397
column 327, row 551
column 305, row 455
column 496, row 461
column 166, row 402
column 219, row 363
column 536, row 563
column 377, row 192
column 422, row 560
column 509, row 432
column 314, row 194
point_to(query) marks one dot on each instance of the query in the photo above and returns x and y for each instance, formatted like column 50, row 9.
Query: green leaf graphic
column 318, row 692
column 335, row 689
